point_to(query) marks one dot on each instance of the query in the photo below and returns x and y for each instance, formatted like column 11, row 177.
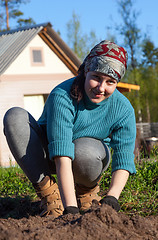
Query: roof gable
column 13, row 42
column 24, row 64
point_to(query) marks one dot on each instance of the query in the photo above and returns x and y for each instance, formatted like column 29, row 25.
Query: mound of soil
column 19, row 220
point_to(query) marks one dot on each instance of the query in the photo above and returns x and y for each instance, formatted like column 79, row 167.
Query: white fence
column 147, row 130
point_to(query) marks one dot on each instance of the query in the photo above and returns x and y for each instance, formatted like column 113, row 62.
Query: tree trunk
column 7, row 14
column 148, row 111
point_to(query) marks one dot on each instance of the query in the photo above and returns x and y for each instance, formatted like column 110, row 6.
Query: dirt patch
column 19, row 220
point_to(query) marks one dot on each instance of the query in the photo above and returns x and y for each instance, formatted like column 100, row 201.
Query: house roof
column 14, row 41
column 12, row 44
column 127, row 87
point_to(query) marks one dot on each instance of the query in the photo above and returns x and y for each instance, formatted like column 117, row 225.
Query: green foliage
column 146, row 99
column 25, row 22
column 15, row 183
column 148, row 94
column 138, row 197
column 129, row 29
column 150, row 53
column 80, row 43
column 10, row 10
column 154, row 151
column 141, row 191
column 142, row 64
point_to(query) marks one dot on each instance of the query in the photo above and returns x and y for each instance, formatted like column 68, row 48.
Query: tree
column 11, row 10
column 145, row 101
column 129, row 29
column 25, row 22
column 150, row 53
column 149, row 71
column 80, row 43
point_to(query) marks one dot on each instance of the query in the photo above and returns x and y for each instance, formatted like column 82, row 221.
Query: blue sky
column 94, row 15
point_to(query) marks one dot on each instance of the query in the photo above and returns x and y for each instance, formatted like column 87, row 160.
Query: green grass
column 140, row 195
column 14, row 183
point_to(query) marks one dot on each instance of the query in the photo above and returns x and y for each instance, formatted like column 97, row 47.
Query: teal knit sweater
column 67, row 120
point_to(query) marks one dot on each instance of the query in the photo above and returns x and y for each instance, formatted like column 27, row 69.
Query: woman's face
column 99, row 86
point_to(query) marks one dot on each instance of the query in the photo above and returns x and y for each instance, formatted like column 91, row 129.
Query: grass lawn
column 140, row 195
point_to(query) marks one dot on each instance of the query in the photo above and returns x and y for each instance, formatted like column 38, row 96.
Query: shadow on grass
column 18, row 207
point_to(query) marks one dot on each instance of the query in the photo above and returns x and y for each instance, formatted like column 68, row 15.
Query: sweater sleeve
column 123, row 143
column 60, row 117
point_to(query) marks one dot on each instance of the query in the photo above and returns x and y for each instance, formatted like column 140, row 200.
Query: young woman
column 83, row 117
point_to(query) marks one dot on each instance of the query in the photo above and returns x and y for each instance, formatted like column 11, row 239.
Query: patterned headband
column 108, row 58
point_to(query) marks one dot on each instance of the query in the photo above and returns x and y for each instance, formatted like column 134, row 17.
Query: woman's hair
column 77, row 88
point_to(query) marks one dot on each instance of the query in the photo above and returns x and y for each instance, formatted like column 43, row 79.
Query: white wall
column 52, row 64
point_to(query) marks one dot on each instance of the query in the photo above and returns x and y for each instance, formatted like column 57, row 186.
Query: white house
column 32, row 62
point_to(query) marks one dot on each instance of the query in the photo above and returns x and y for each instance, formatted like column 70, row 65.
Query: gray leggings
column 28, row 143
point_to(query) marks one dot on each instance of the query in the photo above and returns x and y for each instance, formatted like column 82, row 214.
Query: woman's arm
column 66, row 181
column 118, row 181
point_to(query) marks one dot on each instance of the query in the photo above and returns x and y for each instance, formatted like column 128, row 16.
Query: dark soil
column 19, row 219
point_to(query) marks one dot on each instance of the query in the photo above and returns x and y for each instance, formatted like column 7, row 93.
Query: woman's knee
column 90, row 160
column 14, row 118
column 13, row 114
column 90, row 149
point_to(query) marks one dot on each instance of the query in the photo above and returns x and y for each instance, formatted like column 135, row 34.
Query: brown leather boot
column 86, row 195
column 48, row 192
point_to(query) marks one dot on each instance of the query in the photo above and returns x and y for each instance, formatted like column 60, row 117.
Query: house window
column 37, row 57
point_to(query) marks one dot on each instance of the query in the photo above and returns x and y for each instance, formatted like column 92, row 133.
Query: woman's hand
column 111, row 201
column 118, row 181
